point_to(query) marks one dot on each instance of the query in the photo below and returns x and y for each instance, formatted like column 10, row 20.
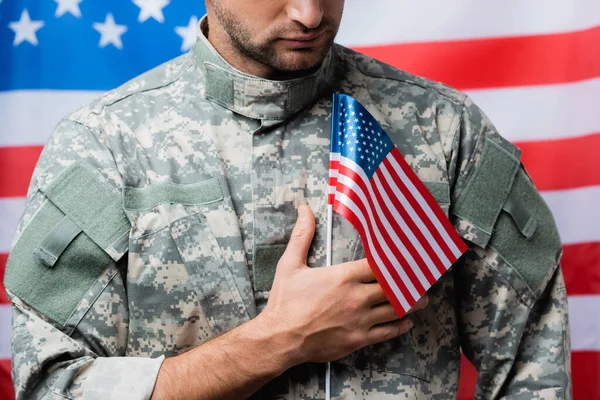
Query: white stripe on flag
column 11, row 210
column 342, row 198
column 577, row 212
column 460, row 19
column 29, row 116
column 5, row 318
column 584, row 319
column 538, row 112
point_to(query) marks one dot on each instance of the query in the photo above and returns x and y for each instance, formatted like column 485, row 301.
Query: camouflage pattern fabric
column 184, row 274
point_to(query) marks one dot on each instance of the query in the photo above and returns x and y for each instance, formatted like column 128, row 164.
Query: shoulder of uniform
column 157, row 78
column 375, row 72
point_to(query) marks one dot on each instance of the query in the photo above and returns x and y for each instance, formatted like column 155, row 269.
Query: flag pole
column 328, row 264
column 334, row 112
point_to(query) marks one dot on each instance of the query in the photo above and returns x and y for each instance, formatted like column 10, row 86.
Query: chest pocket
column 172, row 226
column 403, row 355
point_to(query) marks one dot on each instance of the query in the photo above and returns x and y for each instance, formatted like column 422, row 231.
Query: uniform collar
column 252, row 96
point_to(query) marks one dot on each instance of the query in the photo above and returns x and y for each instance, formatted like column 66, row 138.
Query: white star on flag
column 110, row 32
column 25, row 29
column 188, row 33
column 65, row 6
column 151, row 8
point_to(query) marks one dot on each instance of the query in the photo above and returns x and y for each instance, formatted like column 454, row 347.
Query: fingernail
column 409, row 324
column 423, row 301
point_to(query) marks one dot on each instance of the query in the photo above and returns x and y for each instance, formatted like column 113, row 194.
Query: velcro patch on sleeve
column 91, row 204
column 54, row 292
column 486, row 192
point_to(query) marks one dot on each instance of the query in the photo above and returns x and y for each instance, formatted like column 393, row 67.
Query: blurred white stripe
column 577, row 213
column 376, row 22
column 584, row 319
column 10, row 213
column 542, row 112
column 5, row 318
column 29, row 116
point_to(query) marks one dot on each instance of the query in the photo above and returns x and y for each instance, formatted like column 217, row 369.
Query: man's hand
column 328, row 312
column 313, row 315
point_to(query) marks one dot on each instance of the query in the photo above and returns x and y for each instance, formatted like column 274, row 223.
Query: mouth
column 304, row 41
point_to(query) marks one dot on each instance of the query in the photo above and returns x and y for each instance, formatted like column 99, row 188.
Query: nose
column 308, row 12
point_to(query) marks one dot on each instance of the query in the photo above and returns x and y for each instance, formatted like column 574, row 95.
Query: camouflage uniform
column 155, row 215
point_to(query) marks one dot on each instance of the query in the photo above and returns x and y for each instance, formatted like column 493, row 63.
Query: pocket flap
column 140, row 199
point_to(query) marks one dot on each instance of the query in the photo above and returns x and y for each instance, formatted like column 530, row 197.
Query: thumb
column 302, row 236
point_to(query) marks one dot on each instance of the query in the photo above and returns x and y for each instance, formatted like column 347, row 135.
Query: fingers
column 383, row 311
column 387, row 331
column 374, row 293
column 359, row 270
column 302, row 236
column 381, row 314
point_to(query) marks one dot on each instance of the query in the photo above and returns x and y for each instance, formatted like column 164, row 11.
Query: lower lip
column 303, row 44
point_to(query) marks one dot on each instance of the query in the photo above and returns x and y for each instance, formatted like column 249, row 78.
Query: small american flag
column 408, row 239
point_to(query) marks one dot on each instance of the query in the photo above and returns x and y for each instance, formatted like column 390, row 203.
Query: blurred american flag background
column 533, row 66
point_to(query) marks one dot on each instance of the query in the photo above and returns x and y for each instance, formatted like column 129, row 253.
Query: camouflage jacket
column 155, row 213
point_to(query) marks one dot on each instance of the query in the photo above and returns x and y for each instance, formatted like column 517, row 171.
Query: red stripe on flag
column 585, row 366
column 580, row 268
column 498, row 62
column 16, row 167
column 349, row 215
column 355, row 177
column 3, row 296
column 7, row 391
column 563, row 164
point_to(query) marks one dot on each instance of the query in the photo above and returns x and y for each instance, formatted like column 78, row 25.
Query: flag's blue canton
column 357, row 135
column 90, row 44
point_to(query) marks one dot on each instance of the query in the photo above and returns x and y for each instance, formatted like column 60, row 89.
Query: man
column 144, row 264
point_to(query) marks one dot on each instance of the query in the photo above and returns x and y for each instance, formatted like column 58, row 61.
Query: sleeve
column 66, row 278
column 511, row 302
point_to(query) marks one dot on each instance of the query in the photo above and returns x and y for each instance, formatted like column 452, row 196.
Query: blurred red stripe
column 3, row 296
column 468, row 379
column 498, row 62
column 7, row 391
column 16, row 167
column 563, row 164
column 580, row 268
column 585, row 366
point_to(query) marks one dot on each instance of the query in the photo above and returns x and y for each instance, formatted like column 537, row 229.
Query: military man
column 166, row 249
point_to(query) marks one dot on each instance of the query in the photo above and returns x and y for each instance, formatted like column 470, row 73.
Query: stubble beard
column 298, row 61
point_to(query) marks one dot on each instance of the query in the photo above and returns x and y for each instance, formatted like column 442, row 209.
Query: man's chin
column 300, row 61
